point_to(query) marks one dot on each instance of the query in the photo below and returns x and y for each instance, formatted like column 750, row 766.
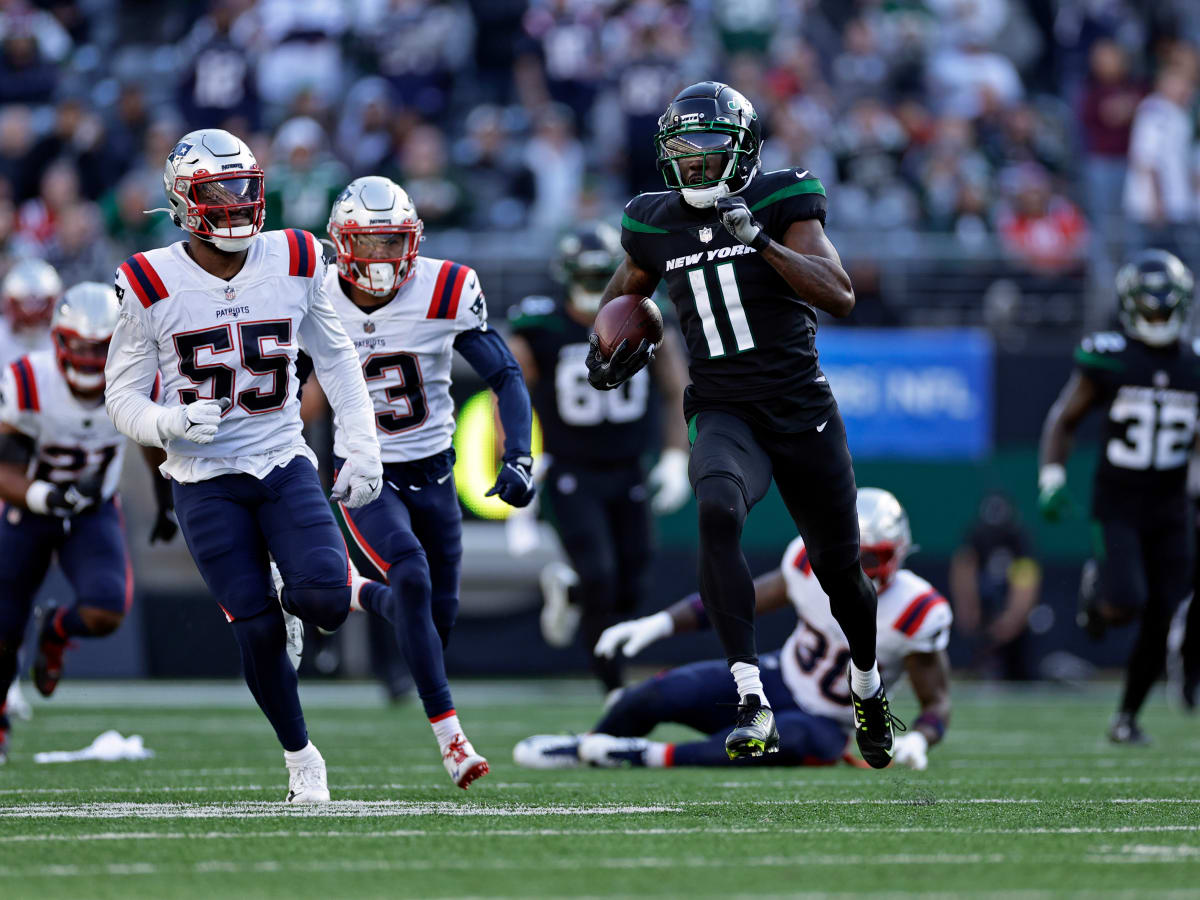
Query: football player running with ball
column 223, row 315
column 60, row 462
column 406, row 315
column 1147, row 380
column 746, row 260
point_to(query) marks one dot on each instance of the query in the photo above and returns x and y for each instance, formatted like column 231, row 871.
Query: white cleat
column 15, row 703
column 357, row 583
column 560, row 617
column 308, row 784
column 463, row 763
column 293, row 625
column 608, row 752
column 548, row 751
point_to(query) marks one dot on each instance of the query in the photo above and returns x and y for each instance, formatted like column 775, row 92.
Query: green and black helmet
column 1154, row 293
column 587, row 258
column 708, row 142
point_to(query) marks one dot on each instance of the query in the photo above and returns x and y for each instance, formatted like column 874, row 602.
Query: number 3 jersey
column 406, row 348
column 579, row 423
column 72, row 440
column 1149, row 395
column 238, row 339
column 912, row 617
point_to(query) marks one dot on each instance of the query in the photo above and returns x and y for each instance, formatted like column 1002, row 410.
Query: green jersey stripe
column 807, row 186
column 635, row 225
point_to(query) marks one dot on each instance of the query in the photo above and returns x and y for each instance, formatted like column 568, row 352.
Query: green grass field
column 1024, row 799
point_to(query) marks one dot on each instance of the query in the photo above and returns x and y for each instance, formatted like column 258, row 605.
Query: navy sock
column 409, row 609
column 270, row 676
column 376, row 599
column 65, row 623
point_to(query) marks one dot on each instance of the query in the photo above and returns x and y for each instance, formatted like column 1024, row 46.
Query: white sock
column 306, row 756
column 865, row 684
column 445, row 728
column 656, row 754
column 748, row 682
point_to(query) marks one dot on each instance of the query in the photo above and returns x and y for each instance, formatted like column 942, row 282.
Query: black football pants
column 731, row 468
column 602, row 517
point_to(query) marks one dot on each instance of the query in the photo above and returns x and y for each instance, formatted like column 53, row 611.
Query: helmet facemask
column 377, row 259
column 81, row 360
column 1155, row 295
column 880, row 562
column 29, row 314
column 706, row 161
column 226, row 209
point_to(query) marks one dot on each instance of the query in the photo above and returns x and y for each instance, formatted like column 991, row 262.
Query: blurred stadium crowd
column 1028, row 131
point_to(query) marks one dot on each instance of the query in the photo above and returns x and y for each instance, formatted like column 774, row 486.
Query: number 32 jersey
column 1149, row 395
column 912, row 617
column 406, row 348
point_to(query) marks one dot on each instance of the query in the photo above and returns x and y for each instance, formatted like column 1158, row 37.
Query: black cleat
column 873, row 723
column 754, row 733
column 1125, row 730
column 1088, row 615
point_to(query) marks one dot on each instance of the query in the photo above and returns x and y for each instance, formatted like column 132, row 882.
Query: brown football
column 628, row 318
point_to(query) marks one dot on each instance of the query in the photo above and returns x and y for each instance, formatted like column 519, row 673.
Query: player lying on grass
column 805, row 681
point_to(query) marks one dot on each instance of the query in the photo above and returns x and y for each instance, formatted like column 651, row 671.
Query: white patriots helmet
column 29, row 292
column 82, row 326
column 215, row 188
column 376, row 232
column 885, row 538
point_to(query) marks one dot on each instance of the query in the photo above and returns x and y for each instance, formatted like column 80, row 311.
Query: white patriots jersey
column 406, row 348
column 13, row 346
column 72, row 440
column 912, row 618
column 237, row 339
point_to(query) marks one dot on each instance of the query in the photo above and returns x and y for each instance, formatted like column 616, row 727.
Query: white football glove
column 912, row 750
column 358, row 483
column 197, row 422
column 669, row 482
column 634, row 636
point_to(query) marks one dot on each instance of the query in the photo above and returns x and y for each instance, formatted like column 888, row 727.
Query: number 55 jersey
column 406, row 348
column 912, row 617
column 1150, row 398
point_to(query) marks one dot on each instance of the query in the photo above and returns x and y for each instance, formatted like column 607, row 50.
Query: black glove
column 514, row 483
column 604, row 375
column 68, row 501
column 740, row 222
column 165, row 525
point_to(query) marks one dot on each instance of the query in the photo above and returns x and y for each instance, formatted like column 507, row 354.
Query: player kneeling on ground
column 805, row 681
column 60, row 461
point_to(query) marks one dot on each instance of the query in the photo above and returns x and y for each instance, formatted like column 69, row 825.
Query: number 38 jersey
column 72, row 440
column 1149, row 395
column 580, row 423
column 406, row 348
column 912, row 617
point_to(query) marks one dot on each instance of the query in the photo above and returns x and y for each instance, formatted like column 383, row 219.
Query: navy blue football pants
column 231, row 523
column 410, row 538
column 701, row 696
column 91, row 552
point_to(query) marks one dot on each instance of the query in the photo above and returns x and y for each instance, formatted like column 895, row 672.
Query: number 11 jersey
column 1149, row 395
column 406, row 348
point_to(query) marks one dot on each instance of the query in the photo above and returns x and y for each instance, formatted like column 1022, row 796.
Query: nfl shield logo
column 369, row 327
column 705, row 234
column 230, row 294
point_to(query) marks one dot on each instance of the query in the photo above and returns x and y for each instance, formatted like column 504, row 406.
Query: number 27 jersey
column 406, row 348
column 1149, row 395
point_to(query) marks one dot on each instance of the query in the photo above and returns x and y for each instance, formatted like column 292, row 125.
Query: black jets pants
column 602, row 517
column 732, row 464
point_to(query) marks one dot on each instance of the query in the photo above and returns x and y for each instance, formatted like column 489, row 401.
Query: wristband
column 933, row 722
column 36, row 496
column 697, row 605
column 761, row 240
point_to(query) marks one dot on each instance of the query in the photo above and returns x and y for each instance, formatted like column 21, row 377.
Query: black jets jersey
column 1150, row 399
column 750, row 339
column 580, row 423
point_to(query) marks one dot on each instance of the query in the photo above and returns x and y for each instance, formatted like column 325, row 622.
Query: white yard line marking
column 336, row 809
column 575, row 833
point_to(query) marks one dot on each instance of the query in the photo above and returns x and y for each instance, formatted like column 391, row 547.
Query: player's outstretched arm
column 635, row 635
column 930, row 677
column 336, row 365
column 1078, row 397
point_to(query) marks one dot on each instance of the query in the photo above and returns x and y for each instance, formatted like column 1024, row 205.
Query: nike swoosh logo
column 445, row 478
column 802, row 174
column 821, row 427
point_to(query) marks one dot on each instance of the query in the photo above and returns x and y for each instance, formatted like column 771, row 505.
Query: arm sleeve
column 488, row 355
column 335, row 361
column 131, row 374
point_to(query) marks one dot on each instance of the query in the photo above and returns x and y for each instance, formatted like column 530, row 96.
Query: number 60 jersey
column 406, row 348
column 912, row 617
column 1150, row 395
